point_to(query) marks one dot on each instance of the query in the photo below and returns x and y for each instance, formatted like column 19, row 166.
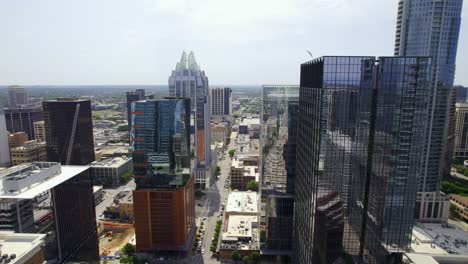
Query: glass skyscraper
column 359, row 126
column 61, row 116
column 431, row 28
column 189, row 81
column 278, row 148
column 164, row 197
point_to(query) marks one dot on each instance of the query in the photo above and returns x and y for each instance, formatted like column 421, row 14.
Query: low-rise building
column 461, row 206
column 250, row 126
column 241, row 225
column 21, row 248
column 244, row 168
column 98, row 194
column 17, row 139
column 112, row 151
column 219, row 132
column 432, row 207
column 122, row 207
column 110, row 171
column 242, row 203
column 32, row 150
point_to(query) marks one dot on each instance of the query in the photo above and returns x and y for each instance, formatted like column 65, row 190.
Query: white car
column 203, row 251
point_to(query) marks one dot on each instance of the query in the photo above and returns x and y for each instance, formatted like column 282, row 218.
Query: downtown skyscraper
column 189, row 81
column 69, row 141
column 69, row 131
column 4, row 148
column 431, row 28
column 278, row 165
column 221, row 102
column 164, row 202
column 359, row 126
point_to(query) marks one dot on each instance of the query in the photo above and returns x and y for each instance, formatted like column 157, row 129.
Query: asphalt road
column 211, row 208
column 109, row 197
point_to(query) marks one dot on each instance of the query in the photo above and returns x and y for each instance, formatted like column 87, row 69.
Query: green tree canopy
column 252, row 185
column 232, row 152
column 236, row 255
column 128, row 249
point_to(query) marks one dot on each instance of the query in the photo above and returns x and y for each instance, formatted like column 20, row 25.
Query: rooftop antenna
column 310, row 53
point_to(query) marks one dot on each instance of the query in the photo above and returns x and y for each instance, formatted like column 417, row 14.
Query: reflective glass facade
column 59, row 116
column 189, row 81
column 278, row 147
column 360, row 125
column 161, row 143
column 164, row 206
column 431, row 28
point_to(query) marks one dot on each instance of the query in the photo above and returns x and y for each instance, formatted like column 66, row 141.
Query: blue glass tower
column 431, row 28
column 359, row 126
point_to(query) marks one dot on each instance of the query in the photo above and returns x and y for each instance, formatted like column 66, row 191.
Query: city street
column 211, row 208
column 108, row 197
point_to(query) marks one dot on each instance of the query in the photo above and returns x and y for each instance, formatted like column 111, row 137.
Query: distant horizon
column 140, row 42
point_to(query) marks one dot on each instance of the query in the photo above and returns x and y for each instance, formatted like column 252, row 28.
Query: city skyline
column 141, row 39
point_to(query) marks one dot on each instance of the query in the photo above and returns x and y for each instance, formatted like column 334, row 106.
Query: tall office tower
column 69, row 131
column 47, row 198
column 22, row 119
column 431, row 28
column 359, row 127
column 17, row 96
column 137, row 95
column 221, row 101
column 164, row 206
column 462, row 93
column 189, row 81
column 39, row 130
column 4, row 145
column 278, row 148
column 461, row 132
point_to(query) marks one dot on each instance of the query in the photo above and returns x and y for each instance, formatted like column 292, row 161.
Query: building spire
column 183, row 61
column 192, row 62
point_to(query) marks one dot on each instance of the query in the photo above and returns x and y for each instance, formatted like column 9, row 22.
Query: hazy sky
column 235, row 41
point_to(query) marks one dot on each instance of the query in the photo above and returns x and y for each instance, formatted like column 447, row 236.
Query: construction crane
column 72, row 136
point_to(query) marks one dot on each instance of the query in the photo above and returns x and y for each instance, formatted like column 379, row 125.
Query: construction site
column 113, row 237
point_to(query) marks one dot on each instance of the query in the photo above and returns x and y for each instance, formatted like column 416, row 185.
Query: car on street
column 204, row 218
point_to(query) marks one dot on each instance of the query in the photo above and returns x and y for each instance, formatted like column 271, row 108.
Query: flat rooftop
column 239, row 226
column 36, row 179
column 242, row 202
column 24, row 246
column 445, row 238
column 419, row 259
column 111, row 162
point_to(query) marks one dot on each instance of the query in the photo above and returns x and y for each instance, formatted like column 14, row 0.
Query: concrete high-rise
column 359, row 127
column 431, row 28
column 69, row 124
column 17, row 96
column 221, row 102
column 164, row 202
column 4, row 145
column 189, row 81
